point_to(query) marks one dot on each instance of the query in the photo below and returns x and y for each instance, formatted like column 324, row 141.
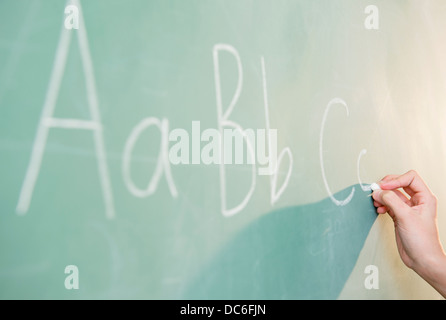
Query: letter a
column 47, row 121
column 72, row 280
column 372, row 20
column 372, row 280
column 72, row 19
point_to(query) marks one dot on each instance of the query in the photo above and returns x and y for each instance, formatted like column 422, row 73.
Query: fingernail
column 382, row 183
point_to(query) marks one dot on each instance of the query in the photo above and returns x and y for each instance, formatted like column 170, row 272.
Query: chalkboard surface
column 118, row 179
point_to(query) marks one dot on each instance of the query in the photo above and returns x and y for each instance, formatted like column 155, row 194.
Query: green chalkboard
column 213, row 149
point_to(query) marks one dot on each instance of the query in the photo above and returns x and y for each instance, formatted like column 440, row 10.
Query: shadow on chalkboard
column 301, row 252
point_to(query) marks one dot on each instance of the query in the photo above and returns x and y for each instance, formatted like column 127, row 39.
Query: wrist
column 433, row 270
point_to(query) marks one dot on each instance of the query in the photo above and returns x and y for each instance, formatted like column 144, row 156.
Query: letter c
column 321, row 158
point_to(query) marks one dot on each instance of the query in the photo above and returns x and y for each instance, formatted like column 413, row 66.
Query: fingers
column 392, row 199
column 395, row 202
column 392, row 177
column 389, row 177
column 411, row 182
column 380, row 208
column 403, row 197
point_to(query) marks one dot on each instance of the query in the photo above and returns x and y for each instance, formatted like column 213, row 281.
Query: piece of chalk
column 375, row 186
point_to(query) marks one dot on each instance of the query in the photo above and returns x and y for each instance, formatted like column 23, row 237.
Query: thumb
column 391, row 200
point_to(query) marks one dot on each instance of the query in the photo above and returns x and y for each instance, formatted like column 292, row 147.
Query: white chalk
column 374, row 186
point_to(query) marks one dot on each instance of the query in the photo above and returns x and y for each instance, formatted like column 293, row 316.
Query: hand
column 415, row 219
